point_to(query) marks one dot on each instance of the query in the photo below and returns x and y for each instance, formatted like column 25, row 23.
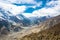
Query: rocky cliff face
column 47, row 30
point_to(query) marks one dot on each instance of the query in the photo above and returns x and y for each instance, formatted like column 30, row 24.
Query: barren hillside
column 48, row 34
column 47, row 30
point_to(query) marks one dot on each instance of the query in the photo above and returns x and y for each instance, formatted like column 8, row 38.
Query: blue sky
column 32, row 7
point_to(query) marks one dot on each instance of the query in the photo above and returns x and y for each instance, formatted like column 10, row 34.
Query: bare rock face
column 47, row 30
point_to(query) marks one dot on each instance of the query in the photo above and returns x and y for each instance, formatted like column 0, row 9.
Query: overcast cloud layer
column 32, row 7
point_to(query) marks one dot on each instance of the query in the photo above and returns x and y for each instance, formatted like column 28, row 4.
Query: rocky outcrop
column 47, row 30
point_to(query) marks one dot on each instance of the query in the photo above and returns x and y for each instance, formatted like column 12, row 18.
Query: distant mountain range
column 10, row 21
column 20, row 18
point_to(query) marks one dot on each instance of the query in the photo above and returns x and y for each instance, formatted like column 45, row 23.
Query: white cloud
column 36, row 4
column 8, row 1
column 26, row 1
column 29, row 15
column 12, row 8
column 52, row 11
column 20, row 1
